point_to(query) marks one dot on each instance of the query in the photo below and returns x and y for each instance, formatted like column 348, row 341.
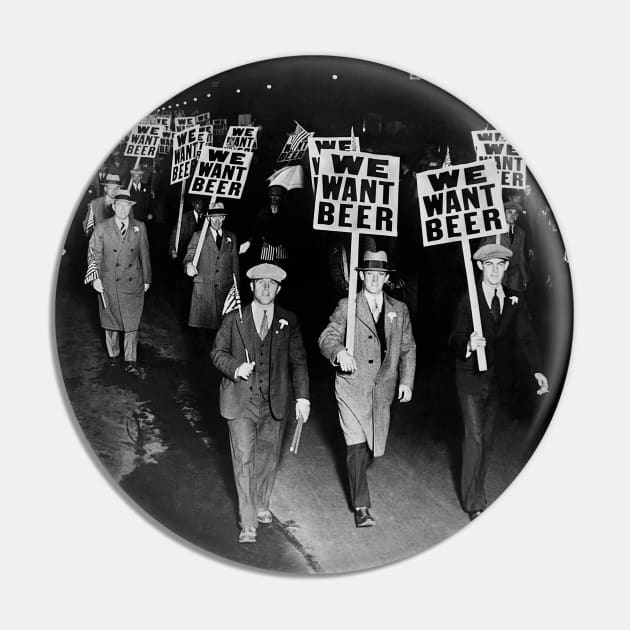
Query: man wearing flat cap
column 381, row 369
column 506, row 328
column 102, row 207
column 118, row 259
column 265, row 383
column 213, row 277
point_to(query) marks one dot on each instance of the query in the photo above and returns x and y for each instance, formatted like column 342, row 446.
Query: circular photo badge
column 314, row 314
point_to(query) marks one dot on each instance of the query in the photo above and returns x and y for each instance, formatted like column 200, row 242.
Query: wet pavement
column 161, row 438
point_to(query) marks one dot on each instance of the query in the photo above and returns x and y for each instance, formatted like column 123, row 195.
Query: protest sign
column 316, row 144
column 203, row 119
column 490, row 144
column 165, row 121
column 219, row 126
column 144, row 141
column 206, row 134
column 458, row 203
column 221, row 172
column 241, row 137
column 166, row 143
column 186, row 147
column 182, row 122
column 296, row 144
column 356, row 193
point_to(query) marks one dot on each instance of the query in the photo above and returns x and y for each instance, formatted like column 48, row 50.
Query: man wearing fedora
column 506, row 328
column 118, row 254
column 381, row 369
column 102, row 207
column 140, row 195
column 265, row 382
column 213, row 277
column 517, row 274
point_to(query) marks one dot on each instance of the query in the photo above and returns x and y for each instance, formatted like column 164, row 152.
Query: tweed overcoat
column 288, row 370
column 124, row 266
column 217, row 268
column 365, row 396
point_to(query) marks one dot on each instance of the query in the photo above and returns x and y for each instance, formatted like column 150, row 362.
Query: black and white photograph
column 314, row 314
column 316, row 321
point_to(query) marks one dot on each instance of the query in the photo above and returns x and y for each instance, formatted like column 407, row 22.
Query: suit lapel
column 246, row 329
column 388, row 307
column 508, row 308
column 364, row 314
column 487, row 321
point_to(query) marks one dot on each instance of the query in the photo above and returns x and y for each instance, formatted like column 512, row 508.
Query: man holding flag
column 259, row 351
column 215, row 273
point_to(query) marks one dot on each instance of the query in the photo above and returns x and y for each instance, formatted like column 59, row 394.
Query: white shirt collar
column 488, row 292
column 258, row 311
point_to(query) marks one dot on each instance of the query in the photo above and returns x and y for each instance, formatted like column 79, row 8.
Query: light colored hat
column 137, row 171
column 111, row 179
column 266, row 270
column 492, row 250
column 375, row 261
column 513, row 205
column 216, row 209
column 123, row 195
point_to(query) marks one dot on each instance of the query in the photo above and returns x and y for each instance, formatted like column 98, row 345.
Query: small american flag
column 92, row 271
column 233, row 300
column 89, row 224
column 298, row 137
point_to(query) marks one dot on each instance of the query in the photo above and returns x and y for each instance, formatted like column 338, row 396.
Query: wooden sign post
column 356, row 193
column 219, row 173
column 458, row 203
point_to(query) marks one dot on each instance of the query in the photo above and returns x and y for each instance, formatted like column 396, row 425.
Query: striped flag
column 89, row 224
column 233, row 300
column 298, row 137
column 92, row 272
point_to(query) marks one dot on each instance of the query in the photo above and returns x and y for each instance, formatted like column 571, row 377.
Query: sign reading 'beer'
column 221, row 172
column 460, row 202
column 491, row 145
column 186, row 147
column 357, row 192
column 144, row 141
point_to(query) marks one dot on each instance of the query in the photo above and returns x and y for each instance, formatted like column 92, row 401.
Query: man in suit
column 118, row 254
column 506, row 328
column 141, row 196
column 265, row 382
column 214, row 275
column 365, row 384
column 517, row 274
column 191, row 223
column 101, row 208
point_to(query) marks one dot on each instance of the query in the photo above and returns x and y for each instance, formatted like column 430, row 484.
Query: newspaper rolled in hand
column 295, row 443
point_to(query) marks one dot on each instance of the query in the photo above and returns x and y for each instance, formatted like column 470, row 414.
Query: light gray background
column 554, row 551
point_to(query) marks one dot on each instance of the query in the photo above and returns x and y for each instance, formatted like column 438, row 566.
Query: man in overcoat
column 141, row 196
column 382, row 366
column 102, row 207
column 213, row 277
column 265, row 383
column 119, row 254
column 506, row 328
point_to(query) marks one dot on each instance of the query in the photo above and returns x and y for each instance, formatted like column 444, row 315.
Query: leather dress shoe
column 112, row 361
column 130, row 368
column 363, row 518
column 264, row 516
column 473, row 515
column 247, row 535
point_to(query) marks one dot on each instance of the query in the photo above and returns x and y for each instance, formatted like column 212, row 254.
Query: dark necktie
column 511, row 233
column 123, row 230
column 219, row 241
column 495, row 307
column 264, row 326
